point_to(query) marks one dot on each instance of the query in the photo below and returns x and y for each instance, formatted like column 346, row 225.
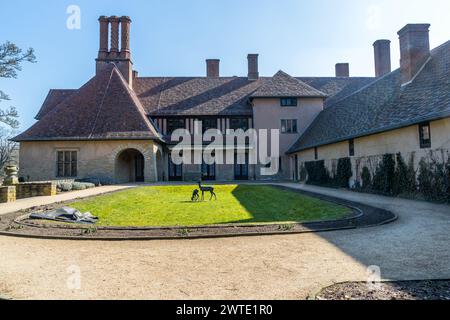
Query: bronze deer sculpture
column 207, row 189
column 195, row 195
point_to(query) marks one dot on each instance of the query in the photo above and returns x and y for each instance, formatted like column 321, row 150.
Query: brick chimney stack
column 125, row 28
column 212, row 68
column 114, row 51
column 253, row 71
column 382, row 49
column 104, row 30
column 414, row 50
column 122, row 58
column 342, row 70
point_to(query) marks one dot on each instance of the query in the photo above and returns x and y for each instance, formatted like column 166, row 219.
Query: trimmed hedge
column 366, row 179
column 383, row 181
column 404, row 177
column 317, row 173
column 344, row 173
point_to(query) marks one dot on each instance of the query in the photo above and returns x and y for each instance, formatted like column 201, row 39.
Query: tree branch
column 9, row 117
column 11, row 58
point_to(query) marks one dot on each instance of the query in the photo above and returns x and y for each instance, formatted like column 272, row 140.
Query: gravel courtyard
column 272, row 267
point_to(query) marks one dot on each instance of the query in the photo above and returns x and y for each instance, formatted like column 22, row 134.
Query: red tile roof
column 196, row 95
column 104, row 108
column 54, row 97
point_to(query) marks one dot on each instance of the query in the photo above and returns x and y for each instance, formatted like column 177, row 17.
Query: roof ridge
column 39, row 115
column 363, row 88
column 101, row 104
column 275, row 87
column 377, row 79
column 136, row 100
column 440, row 47
column 307, row 85
column 47, row 98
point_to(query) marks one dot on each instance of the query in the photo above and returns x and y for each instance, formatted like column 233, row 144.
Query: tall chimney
column 382, row 49
column 414, row 49
column 342, row 70
column 114, row 51
column 121, row 59
column 253, row 72
column 125, row 23
column 212, row 68
column 104, row 26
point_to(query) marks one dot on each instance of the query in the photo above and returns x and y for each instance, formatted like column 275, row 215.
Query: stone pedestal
column 7, row 194
column 11, row 172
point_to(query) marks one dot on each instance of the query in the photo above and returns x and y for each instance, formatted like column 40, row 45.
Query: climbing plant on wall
column 404, row 177
column 343, row 173
column 383, row 181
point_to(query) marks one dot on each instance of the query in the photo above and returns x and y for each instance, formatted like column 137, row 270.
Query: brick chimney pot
column 114, row 21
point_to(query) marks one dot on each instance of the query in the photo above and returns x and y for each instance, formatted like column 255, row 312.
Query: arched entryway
column 130, row 166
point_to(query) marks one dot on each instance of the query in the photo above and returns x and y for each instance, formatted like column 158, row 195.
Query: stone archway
column 130, row 166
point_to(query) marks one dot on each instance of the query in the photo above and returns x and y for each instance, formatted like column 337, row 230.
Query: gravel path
column 401, row 290
column 273, row 267
column 268, row 267
column 41, row 201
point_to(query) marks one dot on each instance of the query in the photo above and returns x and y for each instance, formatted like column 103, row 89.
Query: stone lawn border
column 387, row 290
column 17, row 224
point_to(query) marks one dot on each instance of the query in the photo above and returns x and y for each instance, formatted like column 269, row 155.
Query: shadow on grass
column 270, row 204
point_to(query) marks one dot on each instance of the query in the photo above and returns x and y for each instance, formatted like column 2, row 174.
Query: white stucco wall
column 368, row 150
column 268, row 113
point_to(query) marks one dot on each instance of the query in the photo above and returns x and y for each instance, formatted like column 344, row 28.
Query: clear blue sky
column 174, row 37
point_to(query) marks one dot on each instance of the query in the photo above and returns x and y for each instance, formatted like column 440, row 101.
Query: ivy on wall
column 392, row 176
column 434, row 180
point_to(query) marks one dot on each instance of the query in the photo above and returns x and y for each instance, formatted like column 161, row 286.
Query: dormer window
column 288, row 102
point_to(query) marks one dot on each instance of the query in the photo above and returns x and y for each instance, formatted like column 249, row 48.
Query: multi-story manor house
column 117, row 127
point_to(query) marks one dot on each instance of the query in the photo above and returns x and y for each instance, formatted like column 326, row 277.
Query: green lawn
column 171, row 206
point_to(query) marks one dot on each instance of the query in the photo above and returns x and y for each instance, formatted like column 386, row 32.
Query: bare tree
column 11, row 59
column 8, row 148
